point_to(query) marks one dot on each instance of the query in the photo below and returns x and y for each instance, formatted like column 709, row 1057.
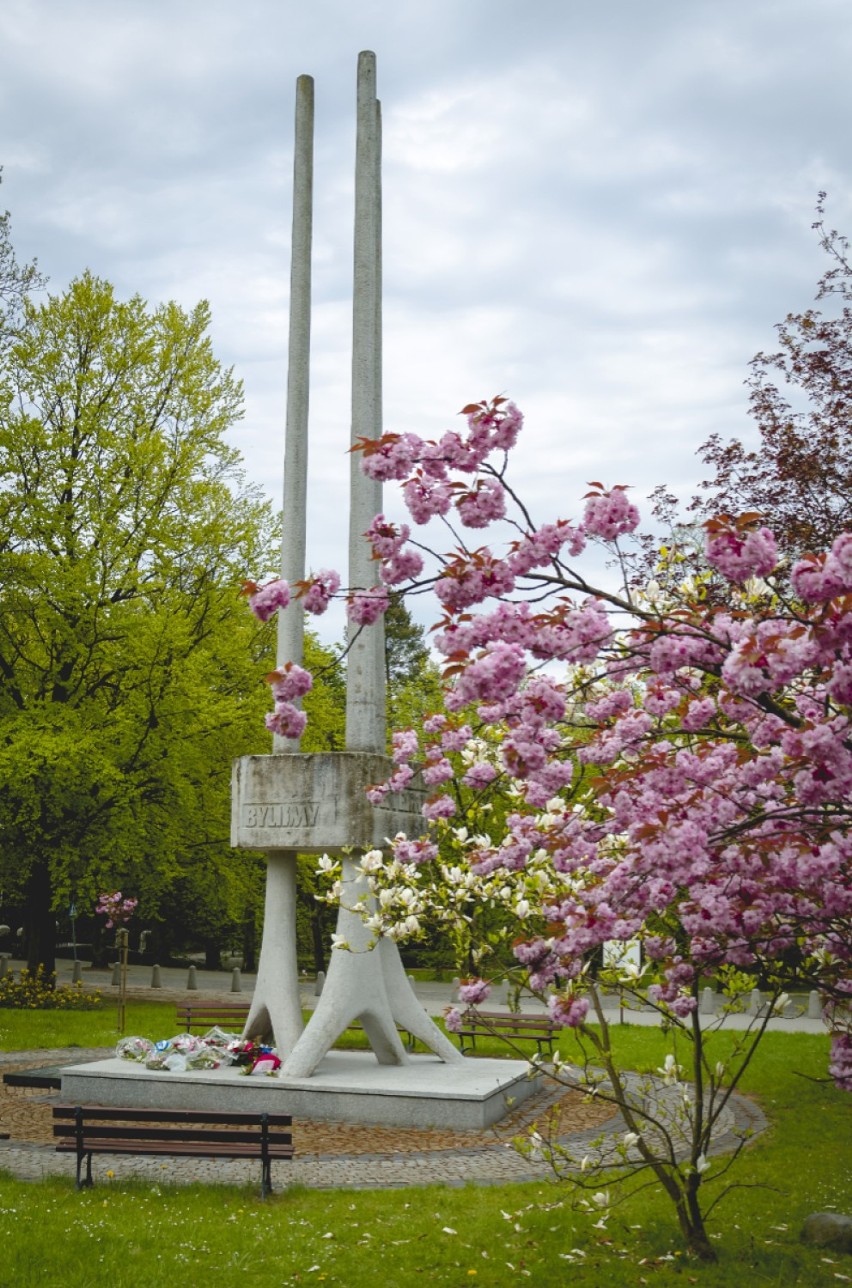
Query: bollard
column 755, row 1002
column 156, row 982
column 191, row 978
column 319, row 983
column 236, row 982
column 116, row 973
column 4, row 962
column 708, row 1001
column 77, row 973
column 411, row 981
column 454, row 991
column 814, row 1005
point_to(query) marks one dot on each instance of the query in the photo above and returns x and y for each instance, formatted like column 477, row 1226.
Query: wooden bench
column 201, row 1016
column 195, row 1016
column 510, row 1025
column 85, row 1130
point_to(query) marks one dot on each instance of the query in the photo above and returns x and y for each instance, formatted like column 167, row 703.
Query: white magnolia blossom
column 372, row 861
column 669, row 1071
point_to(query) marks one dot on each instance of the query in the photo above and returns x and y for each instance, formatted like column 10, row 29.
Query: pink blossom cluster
column 568, row 1009
column 840, row 1060
column 609, row 514
column 391, row 457
column 364, row 607
column 388, row 542
column 320, row 590
column 290, row 682
column 474, row 991
column 265, row 601
column 544, row 545
column 482, row 504
column 817, row 579
column 286, row 720
column 740, row 555
column 115, row 908
column 464, row 583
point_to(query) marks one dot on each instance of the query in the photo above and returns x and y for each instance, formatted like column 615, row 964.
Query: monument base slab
column 348, row 1086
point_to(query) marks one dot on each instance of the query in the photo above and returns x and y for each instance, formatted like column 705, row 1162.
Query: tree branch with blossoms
column 673, row 770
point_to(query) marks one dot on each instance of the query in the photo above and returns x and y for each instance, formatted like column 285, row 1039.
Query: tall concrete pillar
column 364, row 984
column 276, row 1006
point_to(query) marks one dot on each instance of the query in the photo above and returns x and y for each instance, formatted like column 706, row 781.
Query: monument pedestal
column 347, row 1086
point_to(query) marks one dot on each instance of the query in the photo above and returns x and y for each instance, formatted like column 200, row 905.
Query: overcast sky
column 598, row 208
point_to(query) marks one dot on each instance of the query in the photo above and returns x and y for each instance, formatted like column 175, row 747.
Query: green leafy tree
column 128, row 669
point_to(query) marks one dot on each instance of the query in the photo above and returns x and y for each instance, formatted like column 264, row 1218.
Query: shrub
column 38, row 992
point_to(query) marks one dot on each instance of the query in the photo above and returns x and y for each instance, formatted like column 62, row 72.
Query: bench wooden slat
column 226, row 1136
column 540, row 1029
column 198, row 1016
column 137, row 1114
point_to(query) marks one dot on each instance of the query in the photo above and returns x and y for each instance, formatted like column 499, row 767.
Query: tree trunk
column 212, row 955
column 691, row 1223
column 318, row 940
column 39, row 919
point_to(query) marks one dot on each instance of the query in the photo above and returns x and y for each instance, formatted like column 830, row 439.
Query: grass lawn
column 137, row 1234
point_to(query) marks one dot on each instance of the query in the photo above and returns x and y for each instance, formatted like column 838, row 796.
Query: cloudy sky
column 599, row 208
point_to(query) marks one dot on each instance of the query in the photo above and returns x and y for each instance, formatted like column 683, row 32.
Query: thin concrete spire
column 276, row 1006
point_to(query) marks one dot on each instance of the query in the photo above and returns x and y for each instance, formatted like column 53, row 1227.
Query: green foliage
column 128, row 665
column 37, row 991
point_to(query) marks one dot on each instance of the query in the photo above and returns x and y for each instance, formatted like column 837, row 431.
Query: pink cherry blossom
column 290, row 681
column 364, row 607
column 482, row 505
column 266, row 600
column 286, row 720
column 610, row 515
column 474, row 991
column 322, row 588
column 740, row 556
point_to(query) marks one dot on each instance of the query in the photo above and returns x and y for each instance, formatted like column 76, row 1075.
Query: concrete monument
column 290, row 802
column 293, row 801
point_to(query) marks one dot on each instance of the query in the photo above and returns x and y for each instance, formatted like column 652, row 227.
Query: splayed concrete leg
column 368, row 985
column 276, row 1008
column 354, row 989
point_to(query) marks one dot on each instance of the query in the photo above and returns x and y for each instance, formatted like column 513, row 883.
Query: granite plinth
column 347, row 1087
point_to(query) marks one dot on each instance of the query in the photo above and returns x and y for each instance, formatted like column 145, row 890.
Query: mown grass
column 137, row 1234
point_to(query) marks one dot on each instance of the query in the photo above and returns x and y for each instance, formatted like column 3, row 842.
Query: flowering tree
column 116, row 908
column 678, row 764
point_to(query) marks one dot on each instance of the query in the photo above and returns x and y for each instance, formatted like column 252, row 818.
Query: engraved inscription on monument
column 317, row 803
column 301, row 814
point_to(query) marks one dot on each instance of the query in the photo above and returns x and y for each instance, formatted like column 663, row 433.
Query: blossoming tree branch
column 677, row 760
